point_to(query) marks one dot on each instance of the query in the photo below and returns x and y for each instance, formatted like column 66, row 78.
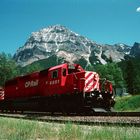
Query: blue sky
column 103, row 21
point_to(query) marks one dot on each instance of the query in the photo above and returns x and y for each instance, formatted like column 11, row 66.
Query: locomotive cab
column 52, row 80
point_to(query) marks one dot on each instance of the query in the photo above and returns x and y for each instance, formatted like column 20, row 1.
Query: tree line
column 124, row 74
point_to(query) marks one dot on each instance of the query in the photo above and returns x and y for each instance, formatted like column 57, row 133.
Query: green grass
column 128, row 103
column 15, row 129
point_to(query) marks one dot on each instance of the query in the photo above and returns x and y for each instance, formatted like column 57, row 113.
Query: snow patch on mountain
column 99, row 55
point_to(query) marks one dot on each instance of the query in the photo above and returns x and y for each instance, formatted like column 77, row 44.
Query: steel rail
column 81, row 120
column 128, row 114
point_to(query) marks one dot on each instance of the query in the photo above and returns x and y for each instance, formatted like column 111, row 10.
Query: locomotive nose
column 1, row 93
column 91, row 81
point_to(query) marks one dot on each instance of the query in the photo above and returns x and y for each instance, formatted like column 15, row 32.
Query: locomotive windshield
column 74, row 68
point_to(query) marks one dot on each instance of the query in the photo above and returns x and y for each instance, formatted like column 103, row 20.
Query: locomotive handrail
column 75, row 76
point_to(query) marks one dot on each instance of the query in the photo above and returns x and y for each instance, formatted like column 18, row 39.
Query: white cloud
column 138, row 9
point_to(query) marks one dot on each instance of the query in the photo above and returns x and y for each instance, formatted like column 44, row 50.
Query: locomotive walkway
column 111, row 118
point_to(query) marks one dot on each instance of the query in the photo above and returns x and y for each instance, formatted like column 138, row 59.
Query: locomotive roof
column 58, row 66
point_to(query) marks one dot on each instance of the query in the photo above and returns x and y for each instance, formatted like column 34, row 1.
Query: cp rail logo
column 31, row 83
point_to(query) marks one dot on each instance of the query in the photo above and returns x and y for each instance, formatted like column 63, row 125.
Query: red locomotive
column 62, row 88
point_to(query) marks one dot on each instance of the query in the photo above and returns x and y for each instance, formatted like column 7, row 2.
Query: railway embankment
column 128, row 103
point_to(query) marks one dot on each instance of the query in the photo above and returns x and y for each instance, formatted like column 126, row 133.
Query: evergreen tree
column 131, row 72
column 129, row 76
column 112, row 72
column 30, row 68
column 8, row 68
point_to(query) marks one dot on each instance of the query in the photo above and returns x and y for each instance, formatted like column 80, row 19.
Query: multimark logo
column 31, row 83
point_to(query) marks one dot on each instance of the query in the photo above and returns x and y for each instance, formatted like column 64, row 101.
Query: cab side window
column 54, row 74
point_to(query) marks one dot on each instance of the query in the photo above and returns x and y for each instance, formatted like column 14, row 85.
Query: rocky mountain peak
column 135, row 51
column 68, row 46
column 54, row 40
column 55, row 33
column 123, row 48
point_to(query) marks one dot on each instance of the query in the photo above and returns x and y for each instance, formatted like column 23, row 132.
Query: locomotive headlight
column 92, row 94
column 112, row 97
column 100, row 96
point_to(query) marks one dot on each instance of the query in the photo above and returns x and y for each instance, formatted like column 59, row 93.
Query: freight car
column 63, row 88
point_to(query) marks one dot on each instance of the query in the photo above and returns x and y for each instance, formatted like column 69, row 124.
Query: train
column 66, row 88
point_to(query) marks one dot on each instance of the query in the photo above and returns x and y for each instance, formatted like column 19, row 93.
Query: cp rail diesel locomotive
column 63, row 88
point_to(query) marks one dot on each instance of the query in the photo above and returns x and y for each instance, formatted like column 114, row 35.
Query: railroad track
column 100, row 118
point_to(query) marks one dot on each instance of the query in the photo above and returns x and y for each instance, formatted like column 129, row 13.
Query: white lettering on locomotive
column 31, row 83
column 53, row 82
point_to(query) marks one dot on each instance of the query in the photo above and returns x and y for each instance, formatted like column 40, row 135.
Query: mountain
column 60, row 43
column 135, row 50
